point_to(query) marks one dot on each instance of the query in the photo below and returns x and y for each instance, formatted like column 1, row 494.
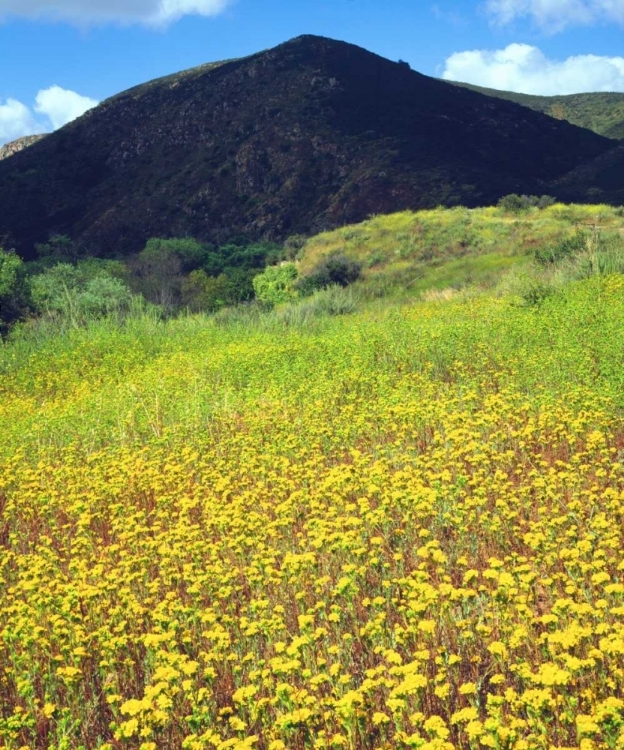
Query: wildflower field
column 396, row 529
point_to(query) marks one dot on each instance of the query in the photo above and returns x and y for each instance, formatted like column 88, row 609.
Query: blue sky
column 59, row 57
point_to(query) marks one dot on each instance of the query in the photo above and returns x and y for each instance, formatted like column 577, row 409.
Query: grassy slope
column 452, row 247
column 601, row 112
column 347, row 533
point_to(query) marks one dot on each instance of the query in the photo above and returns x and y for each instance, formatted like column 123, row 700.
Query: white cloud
column 16, row 119
column 53, row 108
column 151, row 12
column 523, row 68
column 556, row 15
column 61, row 106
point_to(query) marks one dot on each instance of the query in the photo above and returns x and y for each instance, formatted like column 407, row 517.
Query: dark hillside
column 307, row 136
column 604, row 175
column 602, row 112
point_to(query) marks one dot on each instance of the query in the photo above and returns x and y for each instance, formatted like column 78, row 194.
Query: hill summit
column 307, row 136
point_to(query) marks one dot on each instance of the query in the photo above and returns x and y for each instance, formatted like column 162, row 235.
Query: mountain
column 307, row 136
column 604, row 175
column 18, row 145
column 602, row 112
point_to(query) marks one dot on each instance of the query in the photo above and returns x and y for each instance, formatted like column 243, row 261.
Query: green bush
column 58, row 249
column 15, row 298
column 515, row 203
column 69, row 292
column 276, row 284
column 201, row 292
column 157, row 275
column 566, row 248
column 604, row 256
column 329, row 302
column 336, row 269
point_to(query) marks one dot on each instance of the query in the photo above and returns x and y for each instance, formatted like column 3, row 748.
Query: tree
column 58, row 249
column 201, row 292
column 158, row 275
column 15, row 301
column 191, row 253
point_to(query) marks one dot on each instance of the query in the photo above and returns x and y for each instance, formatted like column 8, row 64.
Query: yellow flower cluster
column 359, row 547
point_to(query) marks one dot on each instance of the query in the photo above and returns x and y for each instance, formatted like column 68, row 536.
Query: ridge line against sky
column 62, row 56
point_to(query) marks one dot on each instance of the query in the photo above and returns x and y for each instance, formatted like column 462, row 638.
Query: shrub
column 294, row 245
column 58, row 249
column 603, row 258
column 66, row 291
column 515, row 203
column 240, row 286
column 15, row 297
column 102, row 295
column 563, row 249
column 336, row 269
column 202, row 292
column 332, row 301
column 244, row 315
column 275, row 285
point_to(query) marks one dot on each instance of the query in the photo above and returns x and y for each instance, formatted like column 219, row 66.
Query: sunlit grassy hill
column 442, row 248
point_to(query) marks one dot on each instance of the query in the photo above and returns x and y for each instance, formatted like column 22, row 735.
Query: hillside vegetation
column 602, row 112
column 396, row 528
column 427, row 250
column 525, row 242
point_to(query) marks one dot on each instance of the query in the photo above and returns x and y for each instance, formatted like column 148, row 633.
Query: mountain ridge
column 306, row 136
column 600, row 111
column 19, row 144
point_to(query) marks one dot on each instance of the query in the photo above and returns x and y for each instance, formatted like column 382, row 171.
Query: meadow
column 398, row 528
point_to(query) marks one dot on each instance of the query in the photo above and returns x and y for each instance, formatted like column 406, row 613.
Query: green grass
column 415, row 252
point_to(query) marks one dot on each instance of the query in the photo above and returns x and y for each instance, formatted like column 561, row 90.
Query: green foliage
column 72, row 293
column 516, row 204
column 294, row 245
column 532, row 288
column 201, row 292
column 563, row 249
column 190, row 253
column 243, row 255
column 102, row 295
column 240, row 284
column 158, row 275
column 58, row 249
column 329, row 302
column 336, row 269
column 604, row 256
column 276, row 284
column 15, row 297
column 184, row 272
